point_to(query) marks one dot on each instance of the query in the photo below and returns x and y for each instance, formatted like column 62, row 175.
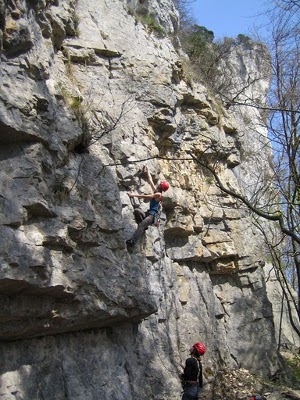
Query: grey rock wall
column 90, row 93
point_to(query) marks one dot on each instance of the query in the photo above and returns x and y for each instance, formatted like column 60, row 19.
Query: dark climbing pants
column 143, row 225
column 190, row 392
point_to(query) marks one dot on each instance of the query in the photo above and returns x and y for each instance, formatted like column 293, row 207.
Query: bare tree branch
column 271, row 217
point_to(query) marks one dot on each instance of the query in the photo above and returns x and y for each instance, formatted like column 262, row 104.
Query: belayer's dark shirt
column 192, row 369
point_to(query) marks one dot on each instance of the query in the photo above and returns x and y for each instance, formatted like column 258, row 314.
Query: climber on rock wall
column 192, row 378
column 144, row 219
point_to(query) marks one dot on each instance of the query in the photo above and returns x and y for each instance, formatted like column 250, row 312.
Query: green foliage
column 198, row 43
column 198, row 40
column 153, row 26
column 243, row 39
column 80, row 111
column 209, row 180
column 294, row 364
column 75, row 104
column 148, row 21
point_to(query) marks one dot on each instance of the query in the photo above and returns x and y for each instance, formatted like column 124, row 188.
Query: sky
column 228, row 17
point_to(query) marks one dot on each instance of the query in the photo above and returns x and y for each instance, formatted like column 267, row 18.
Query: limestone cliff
column 91, row 90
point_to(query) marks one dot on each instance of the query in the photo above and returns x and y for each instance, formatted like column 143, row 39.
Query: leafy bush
column 151, row 23
column 148, row 21
column 294, row 364
column 198, row 40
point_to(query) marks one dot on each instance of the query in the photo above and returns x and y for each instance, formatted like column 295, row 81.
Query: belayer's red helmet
column 164, row 186
column 198, row 348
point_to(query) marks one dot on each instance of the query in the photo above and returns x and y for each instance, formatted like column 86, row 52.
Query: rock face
column 90, row 92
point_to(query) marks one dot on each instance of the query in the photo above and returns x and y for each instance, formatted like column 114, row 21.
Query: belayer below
column 144, row 219
column 192, row 378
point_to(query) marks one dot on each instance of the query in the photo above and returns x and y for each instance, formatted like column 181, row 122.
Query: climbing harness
column 156, row 219
column 140, row 215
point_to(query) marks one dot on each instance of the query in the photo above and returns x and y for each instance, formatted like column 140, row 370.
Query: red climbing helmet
column 198, row 348
column 164, row 186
